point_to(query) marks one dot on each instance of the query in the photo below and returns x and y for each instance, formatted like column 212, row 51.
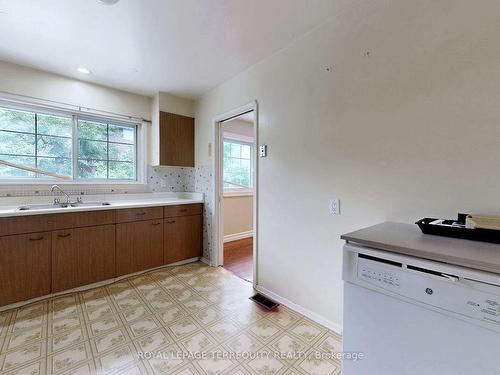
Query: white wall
column 175, row 104
column 238, row 214
column 21, row 80
column 391, row 107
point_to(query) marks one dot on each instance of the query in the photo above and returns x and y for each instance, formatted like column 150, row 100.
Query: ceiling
column 248, row 117
column 183, row 47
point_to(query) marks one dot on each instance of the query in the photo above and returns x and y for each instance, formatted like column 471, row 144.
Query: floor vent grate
column 264, row 301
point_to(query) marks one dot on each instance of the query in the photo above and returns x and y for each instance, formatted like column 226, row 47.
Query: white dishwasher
column 410, row 316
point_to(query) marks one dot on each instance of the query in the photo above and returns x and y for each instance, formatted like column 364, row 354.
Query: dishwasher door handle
column 451, row 277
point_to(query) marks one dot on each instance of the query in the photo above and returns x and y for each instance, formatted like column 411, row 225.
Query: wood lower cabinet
column 24, row 267
column 182, row 238
column 139, row 246
column 82, row 256
column 43, row 254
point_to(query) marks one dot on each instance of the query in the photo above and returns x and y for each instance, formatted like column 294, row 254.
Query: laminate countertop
column 408, row 239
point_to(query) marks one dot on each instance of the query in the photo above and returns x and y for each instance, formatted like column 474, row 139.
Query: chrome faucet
column 57, row 200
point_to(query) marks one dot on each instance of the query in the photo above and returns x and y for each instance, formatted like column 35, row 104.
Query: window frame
column 242, row 140
column 139, row 158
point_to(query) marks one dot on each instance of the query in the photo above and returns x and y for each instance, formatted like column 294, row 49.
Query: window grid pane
column 14, row 120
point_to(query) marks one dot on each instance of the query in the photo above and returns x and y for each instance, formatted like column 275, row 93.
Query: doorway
column 237, row 161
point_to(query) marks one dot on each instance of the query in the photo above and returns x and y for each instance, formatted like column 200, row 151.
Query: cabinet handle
column 140, row 213
column 64, row 235
column 36, row 238
column 171, row 222
column 156, row 223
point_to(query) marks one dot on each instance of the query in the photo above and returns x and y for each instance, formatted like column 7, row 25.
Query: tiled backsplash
column 188, row 179
column 44, row 190
column 171, row 178
column 203, row 184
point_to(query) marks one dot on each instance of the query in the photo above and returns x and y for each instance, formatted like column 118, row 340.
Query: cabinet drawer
column 26, row 224
column 183, row 210
column 137, row 214
column 83, row 219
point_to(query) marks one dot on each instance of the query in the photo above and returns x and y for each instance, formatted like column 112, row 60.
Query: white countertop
column 10, row 206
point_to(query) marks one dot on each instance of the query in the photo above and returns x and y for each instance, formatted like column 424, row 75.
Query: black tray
column 478, row 234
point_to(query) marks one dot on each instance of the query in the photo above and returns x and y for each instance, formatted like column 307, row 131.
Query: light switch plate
column 335, row 206
column 263, row 151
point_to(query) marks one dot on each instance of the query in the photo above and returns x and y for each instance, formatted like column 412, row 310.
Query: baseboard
column 301, row 310
column 98, row 284
column 180, row 263
column 205, row 260
column 238, row 236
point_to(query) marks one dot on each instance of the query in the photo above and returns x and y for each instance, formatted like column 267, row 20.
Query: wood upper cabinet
column 139, row 246
column 82, row 256
column 183, row 238
column 24, row 267
column 176, row 140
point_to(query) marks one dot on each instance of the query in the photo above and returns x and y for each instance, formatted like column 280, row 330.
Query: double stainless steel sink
column 61, row 205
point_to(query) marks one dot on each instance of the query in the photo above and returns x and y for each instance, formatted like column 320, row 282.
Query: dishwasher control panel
column 428, row 286
column 379, row 276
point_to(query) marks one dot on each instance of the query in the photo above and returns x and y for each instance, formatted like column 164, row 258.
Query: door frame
column 218, row 256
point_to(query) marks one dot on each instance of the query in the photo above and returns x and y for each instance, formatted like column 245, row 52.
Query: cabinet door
column 24, row 267
column 139, row 246
column 176, row 140
column 82, row 256
column 183, row 238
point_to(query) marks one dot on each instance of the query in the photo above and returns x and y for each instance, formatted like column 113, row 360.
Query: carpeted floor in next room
column 190, row 309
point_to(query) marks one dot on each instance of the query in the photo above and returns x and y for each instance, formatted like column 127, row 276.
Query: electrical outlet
column 335, row 206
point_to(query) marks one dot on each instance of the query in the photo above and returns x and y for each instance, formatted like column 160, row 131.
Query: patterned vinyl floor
column 190, row 319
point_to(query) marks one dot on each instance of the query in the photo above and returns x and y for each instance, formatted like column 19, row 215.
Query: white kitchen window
column 66, row 144
column 238, row 166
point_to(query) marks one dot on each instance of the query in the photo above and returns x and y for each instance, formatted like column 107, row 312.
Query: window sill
column 9, row 182
column 237, row 193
